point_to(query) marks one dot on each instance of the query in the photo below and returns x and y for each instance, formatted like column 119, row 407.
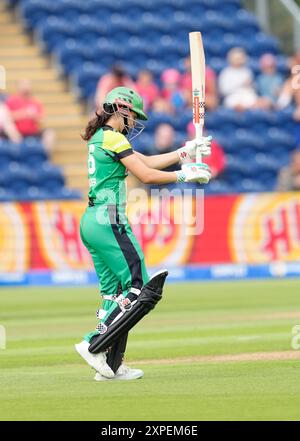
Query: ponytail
column 94, row 124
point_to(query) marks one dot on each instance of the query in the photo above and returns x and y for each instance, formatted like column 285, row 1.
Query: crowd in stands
column 236, row 88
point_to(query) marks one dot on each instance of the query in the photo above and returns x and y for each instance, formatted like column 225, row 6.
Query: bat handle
column 199, row 134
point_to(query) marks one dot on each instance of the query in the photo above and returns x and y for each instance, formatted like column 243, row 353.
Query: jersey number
column 91, row 160
column 91, row 165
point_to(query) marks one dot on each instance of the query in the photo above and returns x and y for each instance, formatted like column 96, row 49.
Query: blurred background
column 60, row 58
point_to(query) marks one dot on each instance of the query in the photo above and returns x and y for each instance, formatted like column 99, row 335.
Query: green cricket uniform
column 104, row 228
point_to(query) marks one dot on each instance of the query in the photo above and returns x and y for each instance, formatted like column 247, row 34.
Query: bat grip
column 199, row 134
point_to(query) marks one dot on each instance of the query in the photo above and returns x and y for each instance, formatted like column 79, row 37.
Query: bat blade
column 198, row 82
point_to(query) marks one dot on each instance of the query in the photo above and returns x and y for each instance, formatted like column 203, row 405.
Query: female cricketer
column 106, row 233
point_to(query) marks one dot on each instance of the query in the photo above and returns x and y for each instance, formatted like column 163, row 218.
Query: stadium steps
column 23, row 58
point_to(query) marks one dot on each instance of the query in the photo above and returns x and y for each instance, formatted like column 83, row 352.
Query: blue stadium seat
column 218, row 186
column 6, row 195
column 65, row 193
column 281, row 138
column 49, row 177
column 245, row 19
column 247, row 185
column 88, row 73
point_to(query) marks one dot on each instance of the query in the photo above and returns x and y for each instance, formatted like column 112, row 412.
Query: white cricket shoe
column 123, row 373
column 96, row 361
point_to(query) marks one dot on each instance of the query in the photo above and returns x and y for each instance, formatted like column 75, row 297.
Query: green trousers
column 117, row 256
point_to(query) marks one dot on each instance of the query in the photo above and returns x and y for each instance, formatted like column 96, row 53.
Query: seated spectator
column 164, row 142
column 147, row 88
column 117, row 77
column 8, row 129
column 217, row 160
column 236, row 82
column 211, row 91
column 171, row 89
column 269, row 82
column 289, row 176
column 161, row 105
column 290, row 92
column 27, row 113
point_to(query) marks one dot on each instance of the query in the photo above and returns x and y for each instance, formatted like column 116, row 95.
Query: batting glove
column 194, row 173
column 187, row 153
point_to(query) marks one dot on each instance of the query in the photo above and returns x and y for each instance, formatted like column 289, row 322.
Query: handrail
column 294, row 10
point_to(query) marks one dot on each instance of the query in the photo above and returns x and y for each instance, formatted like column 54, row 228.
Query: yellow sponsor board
column 265, row 228
column 14, row 239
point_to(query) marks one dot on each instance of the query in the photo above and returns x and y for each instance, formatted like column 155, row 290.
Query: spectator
column 8, row 129
column 27, row 113
column 290, row 92
column 117, row 77
column 147, row 88
column 269, row 82
column 163, row 106
column 211, row 90
column 289, row 176
column 171, row 89
column 236, row 82
column 217, row 160
column 164, row 142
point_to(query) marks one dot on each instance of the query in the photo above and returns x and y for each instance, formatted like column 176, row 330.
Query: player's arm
column 183, row 155
column 145, row 173
column 189, row 172
column 159, row 162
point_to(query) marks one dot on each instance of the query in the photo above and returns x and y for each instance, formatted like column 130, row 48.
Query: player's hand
column 194, row 173
column 188, row 152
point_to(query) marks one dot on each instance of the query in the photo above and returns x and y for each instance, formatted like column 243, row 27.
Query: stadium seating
column 27, row 174
column 87, row 37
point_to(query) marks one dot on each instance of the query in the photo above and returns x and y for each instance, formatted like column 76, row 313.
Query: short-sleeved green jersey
column 105, row 171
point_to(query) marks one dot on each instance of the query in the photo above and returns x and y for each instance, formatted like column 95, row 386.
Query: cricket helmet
column 124, row 96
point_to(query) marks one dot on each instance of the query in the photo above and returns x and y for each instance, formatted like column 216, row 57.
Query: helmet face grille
column 124, row 112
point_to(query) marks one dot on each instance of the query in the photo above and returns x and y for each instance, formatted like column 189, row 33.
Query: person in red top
column 147, row 88
column 211, row 92
column 117, row 77
column 27, row 113
column 217, row 160
column 171, row 91
column 8, row 129
column 26, row 110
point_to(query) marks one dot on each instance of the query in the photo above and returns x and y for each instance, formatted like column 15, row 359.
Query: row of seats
column 34, row 193
column 27, row 174
column 88, row 38
column 68, row 45
column 30, row 8
column 211, row 24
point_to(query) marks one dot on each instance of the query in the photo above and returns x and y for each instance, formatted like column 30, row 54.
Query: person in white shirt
column 236, row 83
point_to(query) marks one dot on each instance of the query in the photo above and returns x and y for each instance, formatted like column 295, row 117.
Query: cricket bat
column 198, row 83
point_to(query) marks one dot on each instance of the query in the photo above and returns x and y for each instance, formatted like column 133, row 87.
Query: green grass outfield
column 210, row 351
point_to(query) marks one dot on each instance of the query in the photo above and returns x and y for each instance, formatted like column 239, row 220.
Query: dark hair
column 118, row 71
column 94, row 124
